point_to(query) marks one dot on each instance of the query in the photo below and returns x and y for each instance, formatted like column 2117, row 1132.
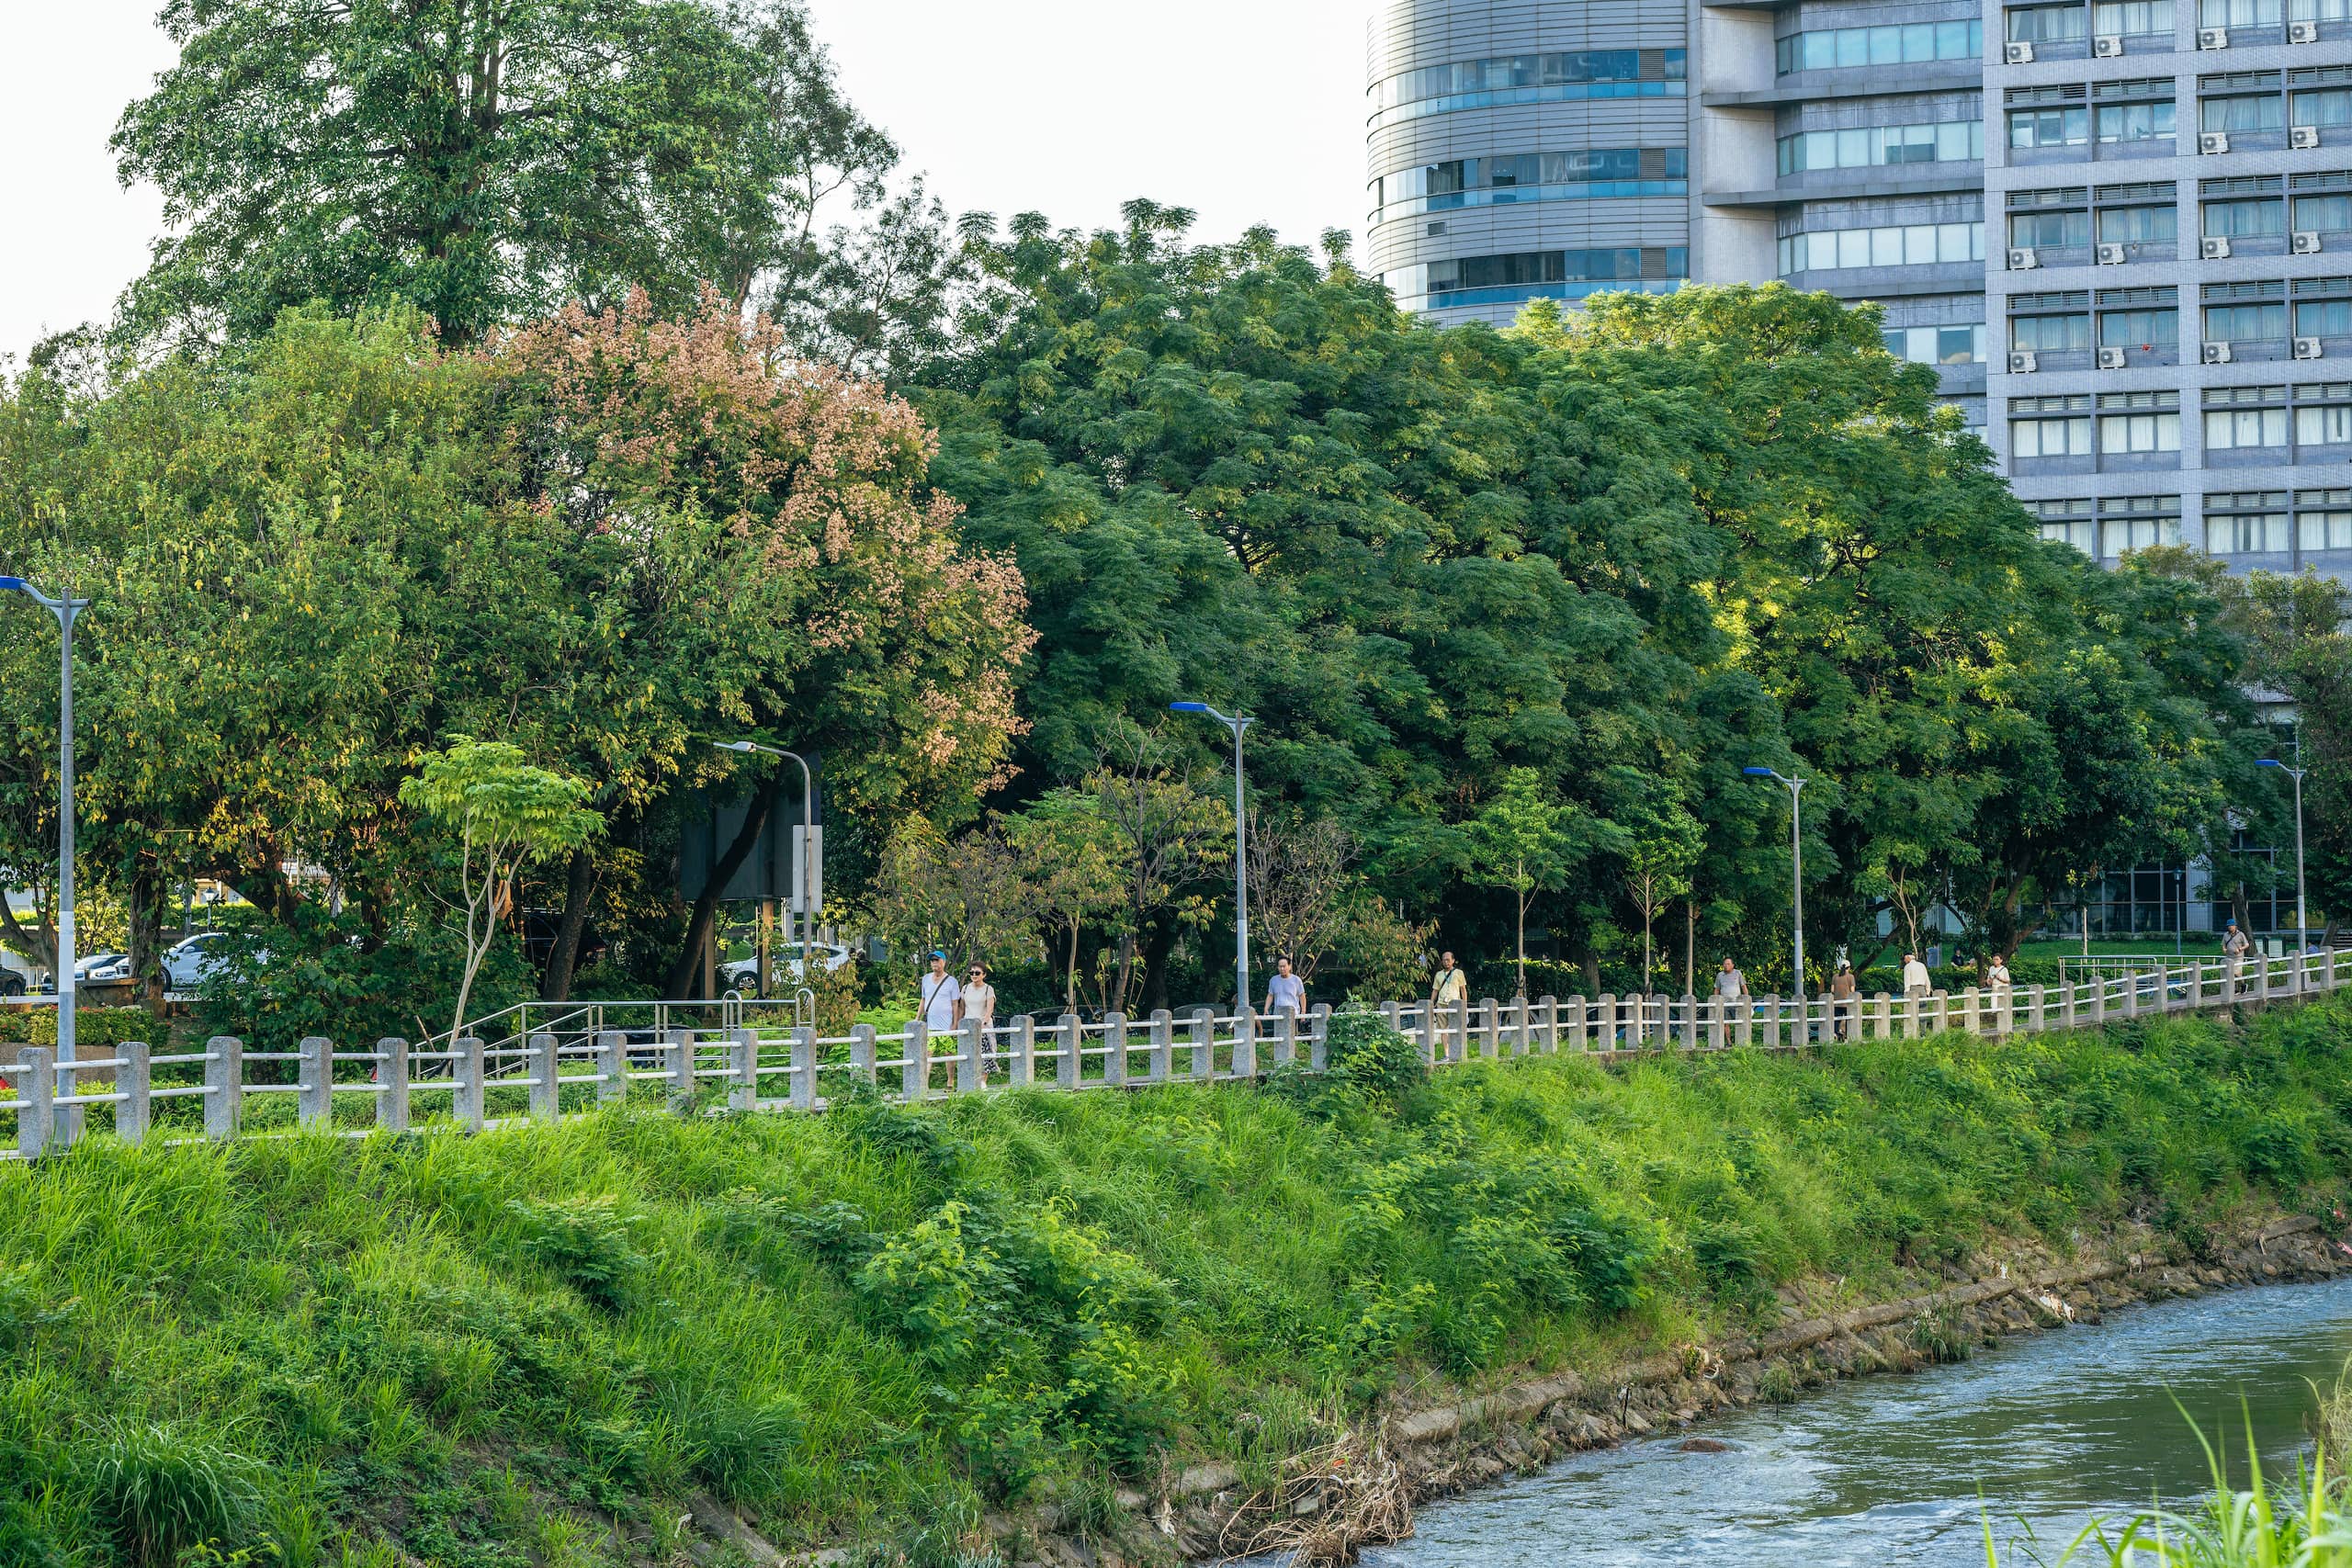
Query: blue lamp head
column 1188, row 708
column 12, row 585
column 2259, row 761
column 1758, row 773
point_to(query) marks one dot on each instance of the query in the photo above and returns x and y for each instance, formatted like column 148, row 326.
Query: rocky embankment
column 1361, row 1489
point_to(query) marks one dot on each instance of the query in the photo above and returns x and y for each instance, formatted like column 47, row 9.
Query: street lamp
column 1236, row 723
column 808, row 845
column 2302, row 918
column 1796, row 860
column 65, row 610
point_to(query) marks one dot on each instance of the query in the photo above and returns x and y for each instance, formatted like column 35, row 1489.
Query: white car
column 743, row 974
column 186, row 964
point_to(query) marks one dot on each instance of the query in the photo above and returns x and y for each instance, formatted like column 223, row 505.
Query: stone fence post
column 314, row 1070
column 225, row 1086
column 392, row 1083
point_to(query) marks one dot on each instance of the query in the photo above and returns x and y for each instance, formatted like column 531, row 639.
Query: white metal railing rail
column 745, row 1067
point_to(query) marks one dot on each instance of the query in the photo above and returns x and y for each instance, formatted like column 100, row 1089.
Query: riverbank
column 1365, row 1492
column 1033, row 1328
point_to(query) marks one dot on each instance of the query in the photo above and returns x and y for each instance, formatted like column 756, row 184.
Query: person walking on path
column 1998, row 976
column 1285, row 992
column 978, row 1001
column 1842, row 991
column 1916, row 981
column 1730, row 984
column 1448, row 996
column 941, row 998
column 2235, row 946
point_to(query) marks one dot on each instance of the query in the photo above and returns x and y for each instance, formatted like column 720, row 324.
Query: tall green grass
column 871, row 1326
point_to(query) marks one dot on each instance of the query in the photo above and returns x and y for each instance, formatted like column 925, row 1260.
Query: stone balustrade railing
column 471, row 1083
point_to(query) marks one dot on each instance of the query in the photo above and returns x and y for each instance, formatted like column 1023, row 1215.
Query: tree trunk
column 146, row 934
column 1155, row 973
column 698, row 925
column 1591, row 973
column 1690, row 947
column 578, row 881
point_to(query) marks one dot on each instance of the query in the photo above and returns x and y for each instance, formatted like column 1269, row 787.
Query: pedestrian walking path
column 569, row 1059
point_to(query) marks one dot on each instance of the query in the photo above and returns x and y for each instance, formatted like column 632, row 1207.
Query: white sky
column 1246, row 111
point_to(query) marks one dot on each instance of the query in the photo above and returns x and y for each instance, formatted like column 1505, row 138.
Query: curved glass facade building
column 1524, row 151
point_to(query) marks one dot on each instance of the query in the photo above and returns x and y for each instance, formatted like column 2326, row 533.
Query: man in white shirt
column 1730, row 984
column 1285, row 992
column 1916, row 981
column 940, row 999
column 2234, row 945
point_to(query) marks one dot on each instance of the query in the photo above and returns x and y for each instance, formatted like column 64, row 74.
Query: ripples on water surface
column 2053, row 1428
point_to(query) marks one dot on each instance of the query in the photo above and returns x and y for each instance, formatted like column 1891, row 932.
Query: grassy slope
column 865, row 1325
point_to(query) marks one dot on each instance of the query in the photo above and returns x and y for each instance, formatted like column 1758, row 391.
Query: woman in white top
column 1998, row 974
column 977, row 1001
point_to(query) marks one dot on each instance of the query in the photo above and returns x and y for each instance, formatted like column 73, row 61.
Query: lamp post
column 1796, row 861
column 2302, row 916
column 65, row 609
column 1236, row 723
column 807, row 844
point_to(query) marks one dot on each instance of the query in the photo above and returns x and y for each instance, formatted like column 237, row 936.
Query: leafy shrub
column 739, row 1447
column 1724, row 1254
column 586, row 1241
column 2276, row 1149
column 898, row 1133
column 97, row 1031
column 1362, row 1052
column 165, row 1491
column 1609, row 1255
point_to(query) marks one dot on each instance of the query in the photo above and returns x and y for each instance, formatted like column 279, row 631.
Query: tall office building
column 2137, row 279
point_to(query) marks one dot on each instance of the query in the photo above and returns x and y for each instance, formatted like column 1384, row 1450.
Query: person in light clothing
column 977, row 1001
column 1448, row 987
column 940, row 999
column 1730, row 984
column 1998, row 976
column 1916, row 981
column 1285, row 992
column 2235, row 946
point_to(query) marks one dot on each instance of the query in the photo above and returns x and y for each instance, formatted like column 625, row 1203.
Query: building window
column 2050, row 229
column 2136, row 122
column 1534, row 176
column 2324, row 214
column 1951, row 141
column 2230, row 430
column 2329, row 530
column 1531, row 79
column 2142, row 329
column 2237, row 12
column 2116, row 535
column 2068, row 523
column 2050, row 428
column 2243, row 114
column 2246, row 323
column 2319, row 10
column 2245, row 219
column 1936, row 345
column 2327, row 425
column 2048, row 128
column 2139, row 225
column 2246, row 533
column 2135, row 18
column 2047, row 24
column 2130, row 433
column 2326, row 106
column 1913, row 245
column 1537, row 275
column 2324, row 317
column 1833, row 48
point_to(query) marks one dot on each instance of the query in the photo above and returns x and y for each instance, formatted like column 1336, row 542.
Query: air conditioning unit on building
column 2217, row 354
column 2022, row 259
column 2023, row 362
column 2302, row 136
column 2214, row 248
column 2212, row 141
column 2110, row 255
column 2107, row 46
column 2212, row 38
column 2302, row 32
column 2308, row 348
column 2304, row 242
column 2110, row 359
column 2016, row 54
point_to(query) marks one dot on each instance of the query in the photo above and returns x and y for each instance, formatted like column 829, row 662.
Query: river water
column 2050, row 1430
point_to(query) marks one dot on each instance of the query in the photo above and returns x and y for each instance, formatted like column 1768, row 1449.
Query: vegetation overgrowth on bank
column 870, row 1326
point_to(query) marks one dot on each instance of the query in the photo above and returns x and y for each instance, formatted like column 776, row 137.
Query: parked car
column 187, row 963
column 743, row 974
column 100, row 967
